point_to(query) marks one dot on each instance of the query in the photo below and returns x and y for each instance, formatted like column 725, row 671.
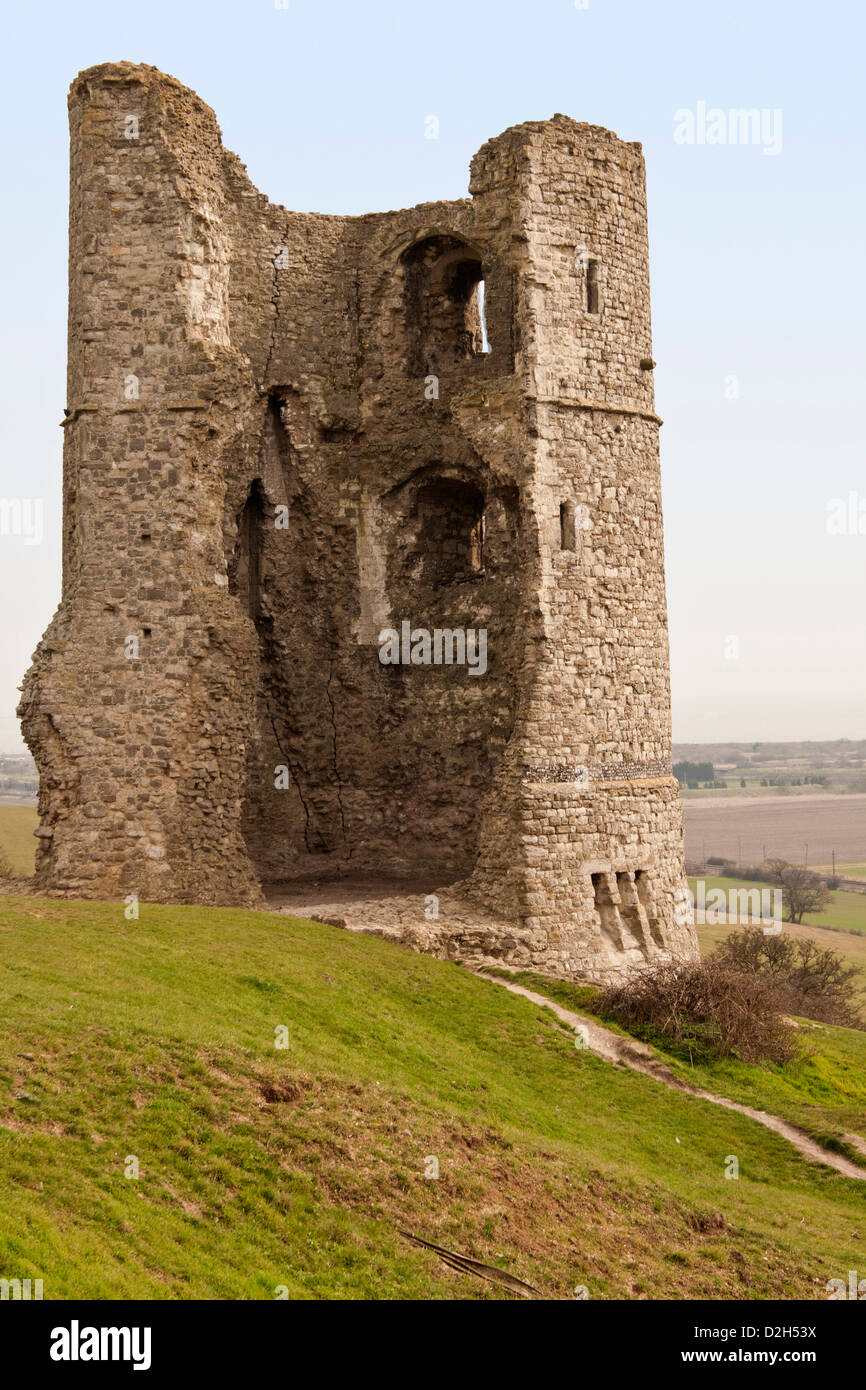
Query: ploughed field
column 780, row 826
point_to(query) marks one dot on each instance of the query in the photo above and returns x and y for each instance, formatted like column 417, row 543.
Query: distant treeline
column 694, row 772
column 819, row 780
column 697, row 774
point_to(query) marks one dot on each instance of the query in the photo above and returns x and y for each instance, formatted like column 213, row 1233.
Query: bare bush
column 706, row 1010
column 813, row 981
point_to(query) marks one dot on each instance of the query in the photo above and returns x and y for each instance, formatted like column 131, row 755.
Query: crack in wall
column 275, row 304
column 337, row 777
column 359, row 343
column 294, row 776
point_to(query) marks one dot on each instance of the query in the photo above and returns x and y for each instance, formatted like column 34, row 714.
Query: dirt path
column 631, row 1053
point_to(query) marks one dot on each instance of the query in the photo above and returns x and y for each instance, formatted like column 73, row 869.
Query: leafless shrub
column 705, row 1010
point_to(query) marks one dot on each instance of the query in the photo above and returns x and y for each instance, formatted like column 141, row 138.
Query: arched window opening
column 444, row 304
column 451, row 532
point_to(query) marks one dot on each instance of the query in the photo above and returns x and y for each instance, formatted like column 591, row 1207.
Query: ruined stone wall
column 138, row 706
column 289, row 432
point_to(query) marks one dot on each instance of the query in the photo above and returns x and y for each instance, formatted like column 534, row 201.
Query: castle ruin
column 288, row 435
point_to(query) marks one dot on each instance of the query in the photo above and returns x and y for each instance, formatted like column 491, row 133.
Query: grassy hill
column 297, row 1168
column 824, row 1093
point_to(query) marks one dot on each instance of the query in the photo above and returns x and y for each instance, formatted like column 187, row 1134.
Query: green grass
column 847, row 910
column 155, row 1038
column 847, row 868
column 17, row 842
column 824, row 1093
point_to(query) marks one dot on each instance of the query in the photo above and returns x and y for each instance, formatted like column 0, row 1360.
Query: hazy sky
column 757, row 272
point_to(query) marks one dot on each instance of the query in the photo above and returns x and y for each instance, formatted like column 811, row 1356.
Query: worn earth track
column 612, row 1047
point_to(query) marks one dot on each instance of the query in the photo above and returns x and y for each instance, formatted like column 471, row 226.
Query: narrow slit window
column 567, row 531
column 480, row 293
column 245, row 569
column 592, row 287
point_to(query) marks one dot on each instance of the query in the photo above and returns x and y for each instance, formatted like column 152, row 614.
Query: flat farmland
column 17, row 841
column 778, row 826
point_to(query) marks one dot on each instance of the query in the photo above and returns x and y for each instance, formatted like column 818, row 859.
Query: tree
column 694, row 772
column 802, row 891
column 813, row 981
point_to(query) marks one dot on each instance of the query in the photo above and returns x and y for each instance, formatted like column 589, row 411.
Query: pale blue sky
column 757, row 263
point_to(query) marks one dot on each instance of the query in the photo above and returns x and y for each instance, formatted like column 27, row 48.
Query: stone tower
column 287, row 434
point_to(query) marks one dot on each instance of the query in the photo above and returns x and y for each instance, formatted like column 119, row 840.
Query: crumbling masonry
column 287, row 433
